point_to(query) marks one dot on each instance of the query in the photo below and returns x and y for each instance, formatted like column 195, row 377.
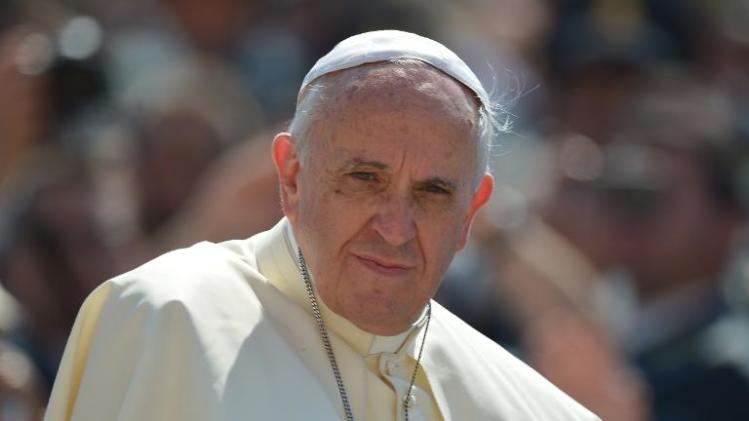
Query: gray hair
column 315, row 94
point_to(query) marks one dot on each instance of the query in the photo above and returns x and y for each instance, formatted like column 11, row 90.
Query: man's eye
column 363, row 176
column 436, row 189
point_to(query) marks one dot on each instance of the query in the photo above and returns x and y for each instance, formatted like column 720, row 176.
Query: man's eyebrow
column 358, row 162
column 439, row 181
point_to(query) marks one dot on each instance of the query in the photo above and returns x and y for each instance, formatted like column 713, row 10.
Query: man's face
column 382, row 196
column 688, row 236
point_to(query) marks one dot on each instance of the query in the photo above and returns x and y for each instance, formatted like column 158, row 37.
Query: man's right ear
column 286, row 159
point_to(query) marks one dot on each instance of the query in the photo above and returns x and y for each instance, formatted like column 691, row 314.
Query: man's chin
column 380, row 321
column 384, row 329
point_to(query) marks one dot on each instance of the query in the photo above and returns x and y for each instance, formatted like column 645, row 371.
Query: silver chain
column 329, row 347
column 418, row 359
column 324, row 336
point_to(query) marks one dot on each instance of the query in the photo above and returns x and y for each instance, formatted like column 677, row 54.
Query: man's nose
column 394, row 220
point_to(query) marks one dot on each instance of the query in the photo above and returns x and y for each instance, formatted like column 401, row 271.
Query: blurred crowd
column 613, row 257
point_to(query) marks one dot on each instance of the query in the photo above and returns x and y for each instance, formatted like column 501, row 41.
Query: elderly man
column 328, row 315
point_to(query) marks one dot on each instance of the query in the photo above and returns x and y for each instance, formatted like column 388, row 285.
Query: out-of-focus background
column 613, row 257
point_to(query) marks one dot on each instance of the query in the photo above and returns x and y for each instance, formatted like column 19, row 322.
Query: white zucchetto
column 384, row 45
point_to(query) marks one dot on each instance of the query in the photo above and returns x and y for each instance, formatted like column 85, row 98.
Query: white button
column 393, row 366
column 411, row 400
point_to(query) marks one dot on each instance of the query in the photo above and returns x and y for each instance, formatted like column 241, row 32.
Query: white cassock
column 225, row 332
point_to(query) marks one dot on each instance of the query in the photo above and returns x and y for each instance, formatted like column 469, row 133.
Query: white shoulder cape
column 201, row 334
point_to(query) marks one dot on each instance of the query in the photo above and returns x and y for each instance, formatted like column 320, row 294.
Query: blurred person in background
column 237, row 195
column 657, row 213
column 597, row 51
column 173, row 152
column 680, row 146
column 54, row 253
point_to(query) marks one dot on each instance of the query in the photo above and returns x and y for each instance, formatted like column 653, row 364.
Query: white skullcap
column 375, row 46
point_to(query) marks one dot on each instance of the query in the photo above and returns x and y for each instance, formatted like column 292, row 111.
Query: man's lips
column 382, row 266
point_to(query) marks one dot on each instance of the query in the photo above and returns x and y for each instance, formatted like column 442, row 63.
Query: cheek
column 440, row 238
column 444, row 219
column 330, row 218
